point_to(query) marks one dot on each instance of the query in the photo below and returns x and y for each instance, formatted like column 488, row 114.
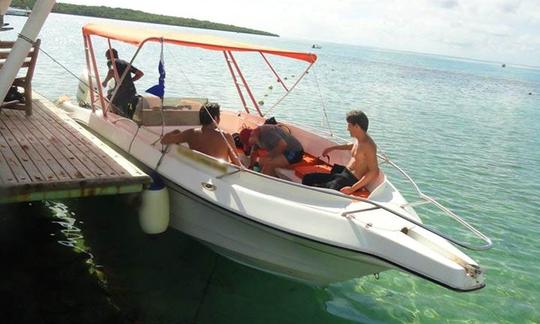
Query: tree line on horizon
column 139, row 16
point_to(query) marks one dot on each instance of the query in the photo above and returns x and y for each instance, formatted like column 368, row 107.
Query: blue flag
column 159, row 89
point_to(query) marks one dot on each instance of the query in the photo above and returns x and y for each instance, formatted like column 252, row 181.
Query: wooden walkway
column 50, row 156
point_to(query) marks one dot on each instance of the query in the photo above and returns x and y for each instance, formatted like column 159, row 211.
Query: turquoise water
column 466, row 131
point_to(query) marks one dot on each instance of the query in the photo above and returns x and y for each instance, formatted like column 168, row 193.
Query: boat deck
column 50, row 156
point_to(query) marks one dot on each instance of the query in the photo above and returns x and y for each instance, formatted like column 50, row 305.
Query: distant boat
column 18, row 12
column 503, row 65
column 316, row 46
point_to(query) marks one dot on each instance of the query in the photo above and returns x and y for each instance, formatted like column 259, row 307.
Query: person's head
column 357, row 120
column 245, row 134
column 208, row 113
column 114, row 53
column 249, row 137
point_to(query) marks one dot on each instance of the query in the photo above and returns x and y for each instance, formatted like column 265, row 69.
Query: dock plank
column 60, row 137
column 28, row 148
column 102, row 159
column 34, row 138
column 10, row 155
column 6, row 176
column 73, row 166
column 96, row 146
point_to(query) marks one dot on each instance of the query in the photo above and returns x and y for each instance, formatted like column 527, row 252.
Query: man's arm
column 176, row 137
column 253, row 156
column 138, row 73
column 232, row 155
column 337, row 147
column 109, row 76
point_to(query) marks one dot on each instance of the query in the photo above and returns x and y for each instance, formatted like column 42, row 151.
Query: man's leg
column 270, row 164
column 343, row 179
column 317, row 179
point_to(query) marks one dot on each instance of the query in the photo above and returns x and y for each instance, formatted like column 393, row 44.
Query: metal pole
column 245, row 84
column 98, row 81
column 89, row 69
column 275, row 73
column 235, row 80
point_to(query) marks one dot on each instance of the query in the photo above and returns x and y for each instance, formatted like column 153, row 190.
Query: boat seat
column 311, row 164
column 23, row 81
column 176, row 111
column 288, row 174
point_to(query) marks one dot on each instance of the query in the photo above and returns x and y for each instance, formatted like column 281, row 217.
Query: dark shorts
column 293, row 156
column 339, row 177
column 126, row 106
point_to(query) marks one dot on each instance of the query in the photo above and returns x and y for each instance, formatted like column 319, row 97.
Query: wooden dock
column 49, row 156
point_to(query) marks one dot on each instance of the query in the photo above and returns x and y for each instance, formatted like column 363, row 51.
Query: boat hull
column 264, row 248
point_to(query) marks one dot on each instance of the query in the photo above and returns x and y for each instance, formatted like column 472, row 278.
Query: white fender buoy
column 154, row 212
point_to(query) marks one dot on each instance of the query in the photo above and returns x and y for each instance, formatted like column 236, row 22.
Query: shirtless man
column 362, row 167
column 208, row 139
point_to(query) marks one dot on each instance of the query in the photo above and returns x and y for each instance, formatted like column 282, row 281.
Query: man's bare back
column 209, row 141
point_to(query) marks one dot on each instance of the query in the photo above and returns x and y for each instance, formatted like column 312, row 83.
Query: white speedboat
column 275, row 224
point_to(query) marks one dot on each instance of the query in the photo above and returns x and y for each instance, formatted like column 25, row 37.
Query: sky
column 506, row 31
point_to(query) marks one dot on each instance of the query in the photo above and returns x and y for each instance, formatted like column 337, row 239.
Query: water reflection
column 74, row 239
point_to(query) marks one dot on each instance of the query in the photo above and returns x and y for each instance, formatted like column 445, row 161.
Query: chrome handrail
column 430, row 200
column 377, row 206
column 448, row 238
column 427, row 199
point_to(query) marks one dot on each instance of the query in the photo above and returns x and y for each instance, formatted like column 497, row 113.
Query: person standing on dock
column 125, row 99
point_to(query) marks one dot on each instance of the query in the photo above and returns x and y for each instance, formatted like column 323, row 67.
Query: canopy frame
column 140, row 37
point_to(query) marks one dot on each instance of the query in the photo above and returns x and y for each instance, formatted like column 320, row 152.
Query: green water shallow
column 468, row 132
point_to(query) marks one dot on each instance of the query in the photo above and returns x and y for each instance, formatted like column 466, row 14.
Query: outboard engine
column 83, row 91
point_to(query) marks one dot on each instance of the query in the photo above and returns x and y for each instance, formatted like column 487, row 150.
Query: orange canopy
column 137, row 36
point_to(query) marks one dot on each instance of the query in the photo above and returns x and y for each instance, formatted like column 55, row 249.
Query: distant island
column 137, row 15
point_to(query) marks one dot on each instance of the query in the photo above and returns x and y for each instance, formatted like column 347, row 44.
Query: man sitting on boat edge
column 363, row 164
column 208, row 139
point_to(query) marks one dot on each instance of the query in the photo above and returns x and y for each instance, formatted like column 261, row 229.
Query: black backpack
column 14, row 94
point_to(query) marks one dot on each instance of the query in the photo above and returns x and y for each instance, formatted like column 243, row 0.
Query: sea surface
column 467, row 131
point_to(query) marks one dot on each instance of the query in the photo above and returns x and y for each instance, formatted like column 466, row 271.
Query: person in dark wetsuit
column 282, row 147
column 125, row 100
column 363, row 166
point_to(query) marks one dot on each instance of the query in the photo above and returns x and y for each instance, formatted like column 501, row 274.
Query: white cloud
column 481, row 29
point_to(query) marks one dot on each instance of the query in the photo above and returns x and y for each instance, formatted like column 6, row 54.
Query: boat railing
column 424, row 200
column 375, row 205
column 487, row 240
